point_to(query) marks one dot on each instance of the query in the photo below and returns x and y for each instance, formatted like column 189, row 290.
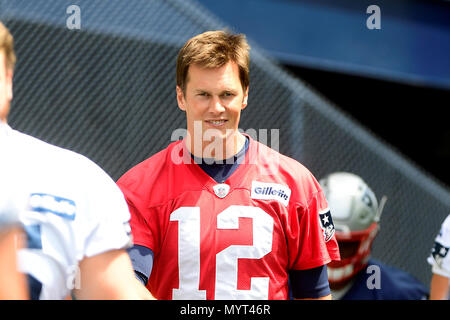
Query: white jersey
column 72, row 209
column 440, row 256
column 8, row 210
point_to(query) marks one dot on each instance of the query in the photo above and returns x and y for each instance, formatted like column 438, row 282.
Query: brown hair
column 214, row 49
column 7, row 46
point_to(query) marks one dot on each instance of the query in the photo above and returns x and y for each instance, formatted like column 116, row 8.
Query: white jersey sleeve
column 440, row 256
column 71, row 210
column 9, row 202
column 8, row 208
column 107, row 217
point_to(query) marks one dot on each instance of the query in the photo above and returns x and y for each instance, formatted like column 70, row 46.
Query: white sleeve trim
column 438, row 270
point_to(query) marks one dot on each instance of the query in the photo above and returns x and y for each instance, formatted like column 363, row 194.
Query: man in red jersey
column 219, row 215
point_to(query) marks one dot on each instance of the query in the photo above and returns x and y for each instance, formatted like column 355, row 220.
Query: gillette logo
column 271, row 191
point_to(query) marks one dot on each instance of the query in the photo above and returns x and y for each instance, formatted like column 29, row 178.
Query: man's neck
column 217, row 149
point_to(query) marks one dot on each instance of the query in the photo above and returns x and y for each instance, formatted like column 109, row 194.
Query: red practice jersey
column 235, row 240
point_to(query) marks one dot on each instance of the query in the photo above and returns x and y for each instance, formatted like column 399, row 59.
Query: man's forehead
column 201, row 76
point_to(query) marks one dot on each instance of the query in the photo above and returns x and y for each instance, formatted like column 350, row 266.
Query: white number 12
column 227, row 260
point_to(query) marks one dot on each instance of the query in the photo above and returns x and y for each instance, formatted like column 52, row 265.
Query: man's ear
column 180, row 99
column 4, row 109
column 9, row 84
column 245, row 100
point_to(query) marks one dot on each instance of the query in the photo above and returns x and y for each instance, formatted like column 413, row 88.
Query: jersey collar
column 236, row 179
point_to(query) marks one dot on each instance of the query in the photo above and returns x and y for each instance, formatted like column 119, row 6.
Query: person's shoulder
column 55, row 161
column 270, row 157
column 301, row 181
column 443, row 237
column 387, row 269
column 149, row 170
column 291, row 170
column 25, row 143
column 380, row 281
column 397, row 282
column 446, row 225
column 157, row 160
column 42, row 151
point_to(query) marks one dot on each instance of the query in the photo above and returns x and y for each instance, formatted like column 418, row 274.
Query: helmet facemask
column 354, row 248
column 355, row 212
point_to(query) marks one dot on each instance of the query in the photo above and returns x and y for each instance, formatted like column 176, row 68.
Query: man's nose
column 216, row 105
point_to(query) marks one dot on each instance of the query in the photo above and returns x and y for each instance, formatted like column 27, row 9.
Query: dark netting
column 108, row 91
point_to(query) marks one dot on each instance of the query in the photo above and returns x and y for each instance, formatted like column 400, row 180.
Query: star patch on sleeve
column 326, row 222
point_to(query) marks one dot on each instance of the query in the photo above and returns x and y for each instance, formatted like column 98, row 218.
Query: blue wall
column 412, row 46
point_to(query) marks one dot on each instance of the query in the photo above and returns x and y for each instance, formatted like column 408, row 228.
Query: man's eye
column 203, row 94
column 228, row 94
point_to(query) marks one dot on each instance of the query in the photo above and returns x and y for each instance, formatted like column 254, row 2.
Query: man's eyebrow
column 226, row 90
column 232, row 90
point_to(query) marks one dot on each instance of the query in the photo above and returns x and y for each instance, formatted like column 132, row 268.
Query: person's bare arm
column 439, row 287
column 12, row 282
column 109, row 276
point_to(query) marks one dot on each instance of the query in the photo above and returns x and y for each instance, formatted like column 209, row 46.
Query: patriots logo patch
column 221, row 190
column 326, row 222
